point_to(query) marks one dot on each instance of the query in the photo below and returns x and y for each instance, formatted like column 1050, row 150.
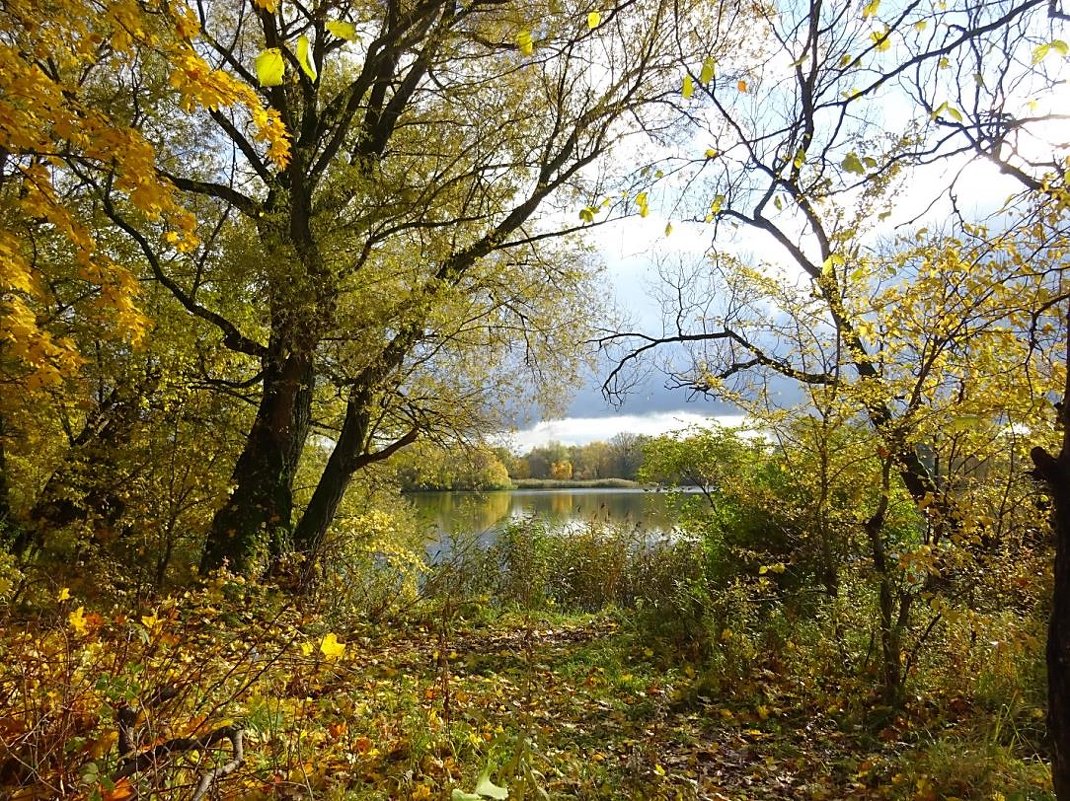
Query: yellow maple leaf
column 77, row 620
column 331, row 648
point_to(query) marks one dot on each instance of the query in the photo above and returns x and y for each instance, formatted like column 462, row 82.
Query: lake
column 486, row 513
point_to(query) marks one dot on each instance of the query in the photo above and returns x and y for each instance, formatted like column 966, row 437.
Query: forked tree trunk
column 257, row 517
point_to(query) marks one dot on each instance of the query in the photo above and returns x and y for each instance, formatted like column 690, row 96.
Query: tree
column 915, row 337
column 401, row 235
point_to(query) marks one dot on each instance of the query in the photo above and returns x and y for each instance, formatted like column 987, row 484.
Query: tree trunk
column 351, row 453
column 1055, row 472
column 892, row 623
column 257, row 516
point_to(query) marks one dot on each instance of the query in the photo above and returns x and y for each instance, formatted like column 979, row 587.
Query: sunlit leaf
column 525, row 43
column 63, row 594
column 270, row 67
column 717, row 204
column 709, row 70
column 331, row 648
column 77, row 620
column 594, row 19
column 742, row 85
column 343, row 30
column 711, row 153
column 688, row 88
column 304, row 57
column 642, row 204
column 870, row 8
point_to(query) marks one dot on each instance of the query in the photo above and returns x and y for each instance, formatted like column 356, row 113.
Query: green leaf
column 594, row 19
column 525, row 43
column 304, row 57
column 778, row 203
column 270, row 67
column 852, row 163
column 688, row 88
column 485, row 787
column 709, row 70
column 461, row 795
column 954, row 114
column 343, row 30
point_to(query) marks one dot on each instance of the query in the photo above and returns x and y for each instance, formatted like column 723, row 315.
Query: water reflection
column 457, row 514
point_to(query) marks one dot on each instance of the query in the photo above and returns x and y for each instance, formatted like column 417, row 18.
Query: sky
column 630, row 248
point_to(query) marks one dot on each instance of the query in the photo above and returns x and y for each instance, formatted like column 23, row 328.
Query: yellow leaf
column 331, row 648
column 594, row 19
column 343, row 30
column 151, row 622
column 77, row 620
column 658, row 769
column 870, row 8
column 641, row 202
column 306, row 649
column 304, row 57
column 64, row 594
column 709, row 70
column 270, row 67
column 688, row 88
column 711, row 153
column 668, row 229
column 742, row 85
column 268, row 5
column 525, row 43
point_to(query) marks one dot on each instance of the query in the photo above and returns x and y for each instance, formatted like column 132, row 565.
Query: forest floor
column 547, row 706
column 601, row 717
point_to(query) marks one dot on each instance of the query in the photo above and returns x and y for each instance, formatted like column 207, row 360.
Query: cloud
column 581, row 430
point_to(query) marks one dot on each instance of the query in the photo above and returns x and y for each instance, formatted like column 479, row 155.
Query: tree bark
column 351, row 453
column 257, row 516
column 1054, row 471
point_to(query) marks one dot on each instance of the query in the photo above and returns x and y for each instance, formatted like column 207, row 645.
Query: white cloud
column 581, row 430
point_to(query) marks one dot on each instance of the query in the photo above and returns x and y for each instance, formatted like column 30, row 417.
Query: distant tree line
column 429, row 466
